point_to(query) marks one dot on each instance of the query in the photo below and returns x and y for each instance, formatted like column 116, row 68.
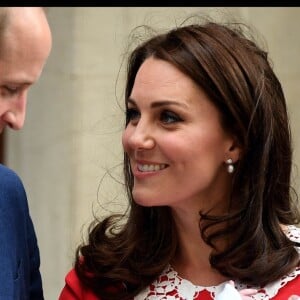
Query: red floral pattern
column 170, row 286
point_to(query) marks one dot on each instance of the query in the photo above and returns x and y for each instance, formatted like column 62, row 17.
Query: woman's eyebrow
column 168, row 102
column 160, row 103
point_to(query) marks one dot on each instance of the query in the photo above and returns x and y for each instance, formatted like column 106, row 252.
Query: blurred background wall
column 69, row 153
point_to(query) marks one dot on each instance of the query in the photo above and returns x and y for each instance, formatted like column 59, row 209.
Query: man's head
column 25, row 44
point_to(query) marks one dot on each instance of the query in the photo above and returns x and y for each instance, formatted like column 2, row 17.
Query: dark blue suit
column 20, row 277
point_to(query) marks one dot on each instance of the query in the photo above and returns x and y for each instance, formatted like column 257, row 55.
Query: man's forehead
column 14, row 76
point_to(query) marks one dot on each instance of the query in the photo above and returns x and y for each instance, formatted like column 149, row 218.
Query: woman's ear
column 234, row 150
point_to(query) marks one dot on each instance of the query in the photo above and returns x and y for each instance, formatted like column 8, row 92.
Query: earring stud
column 230, row 166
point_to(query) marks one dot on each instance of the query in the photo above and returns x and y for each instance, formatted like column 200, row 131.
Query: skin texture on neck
column 193, row 253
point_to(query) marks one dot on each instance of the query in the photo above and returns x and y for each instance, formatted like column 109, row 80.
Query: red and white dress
column 170, row 286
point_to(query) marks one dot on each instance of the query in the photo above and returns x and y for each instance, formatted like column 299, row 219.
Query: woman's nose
column 141, row 136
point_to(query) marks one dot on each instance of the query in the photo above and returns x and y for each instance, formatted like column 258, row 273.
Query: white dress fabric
column 170, row 286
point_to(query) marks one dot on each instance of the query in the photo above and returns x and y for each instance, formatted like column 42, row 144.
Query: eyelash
column 10, row 91
column 165, row 114
column 131, row 114
column 166, row 117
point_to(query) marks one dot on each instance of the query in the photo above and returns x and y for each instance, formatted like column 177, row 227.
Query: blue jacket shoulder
column 9, row 178
column 12, row 191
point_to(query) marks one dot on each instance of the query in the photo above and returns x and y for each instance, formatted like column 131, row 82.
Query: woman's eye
column 168, row 117
column 132, row 114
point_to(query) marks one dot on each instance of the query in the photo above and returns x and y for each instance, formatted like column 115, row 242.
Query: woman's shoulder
column 289, row 284
column 291, row 287
column 293, row 233
column 74, row 289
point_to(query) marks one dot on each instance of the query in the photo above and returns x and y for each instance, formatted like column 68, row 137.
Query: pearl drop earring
column 230, row 166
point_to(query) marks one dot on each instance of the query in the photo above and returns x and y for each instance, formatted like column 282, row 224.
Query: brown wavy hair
column 118, row 261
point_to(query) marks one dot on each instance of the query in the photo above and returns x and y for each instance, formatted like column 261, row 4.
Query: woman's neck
column 192, row 258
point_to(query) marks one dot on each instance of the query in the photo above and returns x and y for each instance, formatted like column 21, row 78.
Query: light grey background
column 74, row 122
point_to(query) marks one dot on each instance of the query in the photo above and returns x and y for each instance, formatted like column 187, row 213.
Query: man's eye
column 168, row 117
column 10, row 90
column 132, row 114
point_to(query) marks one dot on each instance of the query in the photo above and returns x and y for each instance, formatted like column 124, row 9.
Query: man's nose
column 15, row 114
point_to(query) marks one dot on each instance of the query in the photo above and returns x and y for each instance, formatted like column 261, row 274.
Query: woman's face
column 174, row 140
